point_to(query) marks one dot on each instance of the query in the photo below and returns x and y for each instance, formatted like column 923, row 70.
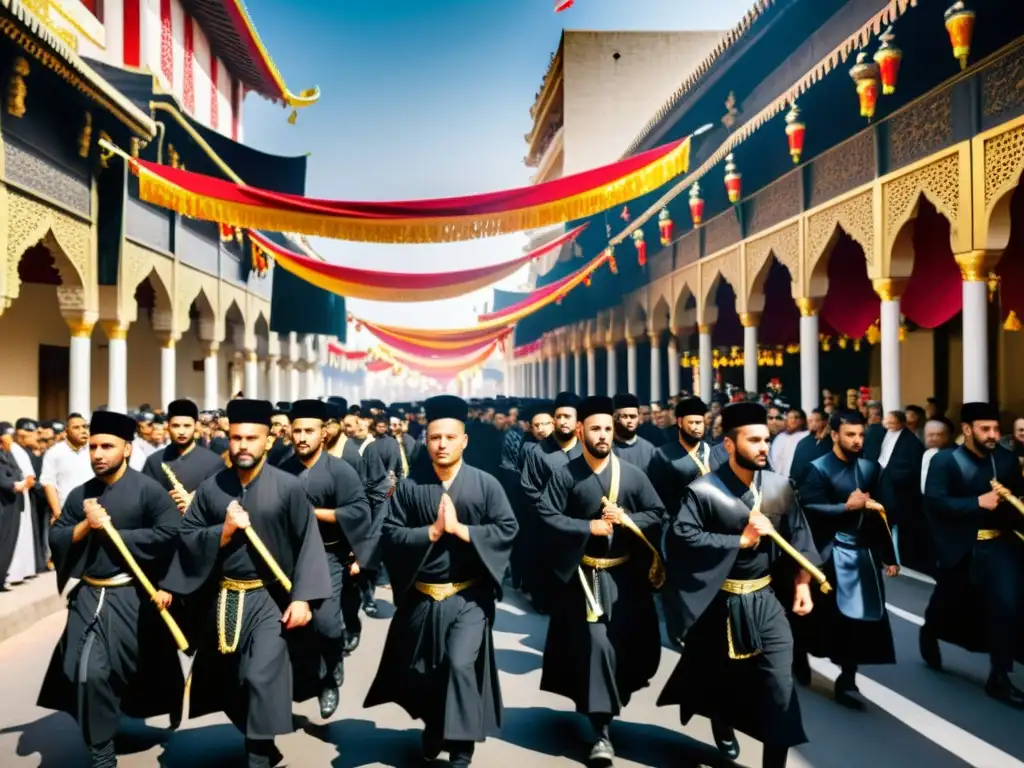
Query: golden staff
column 176, row 484
column 1016, row 503
column 172, row 625
column 790, row 550
column 268, row 558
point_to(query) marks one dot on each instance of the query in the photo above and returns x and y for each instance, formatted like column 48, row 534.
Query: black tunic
column 639, row 453
column 980, row 584
column 673, row 469
column 116, row 654
column 376, row 481
column 253, row 686
column 599, row 665
column 850, row 625
column 438, row 662
column 807, row 450
column 753, row 694
column 191, row 468
column 11, row 504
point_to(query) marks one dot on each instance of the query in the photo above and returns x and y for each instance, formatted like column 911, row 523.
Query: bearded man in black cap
column 736, row 666
column 978, row 602
column 600, row 521
column 242, row 665
column 189, row 462
column 347, row 528
column 115, row 656
column 678, row 463
column 629, row 446
column 446, row 541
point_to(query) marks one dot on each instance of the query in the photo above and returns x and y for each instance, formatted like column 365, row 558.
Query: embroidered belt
column 987, row 534
column 118, row 580
column 439, row 592
column 745, row 586
column 603, row 563
column 238, row 588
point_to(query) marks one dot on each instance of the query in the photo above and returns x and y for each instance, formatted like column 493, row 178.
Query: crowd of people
column 759, row 534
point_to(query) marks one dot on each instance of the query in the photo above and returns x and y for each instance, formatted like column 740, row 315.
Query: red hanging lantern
column 733, row 179
column 696, row 204
column 641, row 247
column 960, row 26
column 625, row 214
column 611, row 260
column 665, row 226
column 888, row 58
column 795, row 132
column 865, row 75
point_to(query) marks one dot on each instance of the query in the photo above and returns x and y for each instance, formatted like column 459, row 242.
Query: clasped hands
column 447, row 521
column 95, row 514
column 611, row 515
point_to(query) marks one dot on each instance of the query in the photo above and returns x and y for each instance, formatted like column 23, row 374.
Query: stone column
column 80, row 366
column 707, row 370
column 251, row 385
column 612, row 365
column 211, row 386
column 168, row 370
column 889, row 291
column 630, row 365
column 673, row 365
column 810, row 387
column 294, row 393
column 117, row 365
column 591, row 370
column 237, row 374
column 563, row 370
column 974, row 268
column 538, row 377
column 274, row 378
column 552, row 377
column 655, row 367
column 311, row 386
column 577, row 372
column 750, row 321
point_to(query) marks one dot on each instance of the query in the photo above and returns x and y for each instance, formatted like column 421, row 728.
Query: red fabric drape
column 1011, row 265
column 378, row 366
column 412, row 348
column 851, row 304
column 933, row 294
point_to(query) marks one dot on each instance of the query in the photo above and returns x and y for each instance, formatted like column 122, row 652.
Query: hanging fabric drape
column 569, row 198
column 442, row 370
column 450, row 349
column 398, row 286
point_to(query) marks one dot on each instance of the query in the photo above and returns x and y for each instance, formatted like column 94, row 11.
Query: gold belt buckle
column 745, row 586
column 240, row 585
column 603, row 563
column 987, row 534
column 439, row 592
column 117, row 580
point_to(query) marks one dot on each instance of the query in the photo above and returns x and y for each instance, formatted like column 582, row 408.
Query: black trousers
column 328, row 622
column 354, row 590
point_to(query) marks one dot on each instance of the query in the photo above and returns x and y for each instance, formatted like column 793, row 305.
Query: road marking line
column 913, row 618
column 509, row 608
column 955, row 740
column 916, row 575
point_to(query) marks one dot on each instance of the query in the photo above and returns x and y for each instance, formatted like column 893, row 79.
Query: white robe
column 23, row 565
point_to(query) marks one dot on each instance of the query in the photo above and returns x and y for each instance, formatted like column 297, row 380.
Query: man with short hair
column 25, row 565
column 677, row 464
column 141, row 445
column 629, row 446
column 446, row 541
column 66, row 465
column 816, row 444
column 938, row 435
column 784, row 445
column 184, row 458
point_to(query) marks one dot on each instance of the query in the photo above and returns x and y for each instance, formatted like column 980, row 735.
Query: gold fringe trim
column 157, row 190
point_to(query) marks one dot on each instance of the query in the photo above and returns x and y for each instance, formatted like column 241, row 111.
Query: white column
column 538, row 378
column 563, row 371
column 612, row 367
column 630, row 366
column 673, row 366
column 810, row 390
column 749, row 321
column 591, row 371
column 707, row 371
column 251, row 385
column 974, row 270
column 80, row 367
column 117, row 365
column 168, row 371
column 577, row 372
column 274, row 378
column 211, row 387
column 293, row 383
column 312, row 390
column 889, row 291
column 655, row 367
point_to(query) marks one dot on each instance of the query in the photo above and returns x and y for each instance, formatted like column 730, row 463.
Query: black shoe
column 259, row 754
column 726, row 741
column 431, row 745
column 602, row 753
column 103, row 755
column 370, row 607
column 929, row 647
column 328, row 699
column 351, row 643
column 339, row 674
column 1001, row 689
column 801, row 668
column 847, row 692
column 460, row 754
column 176, row 720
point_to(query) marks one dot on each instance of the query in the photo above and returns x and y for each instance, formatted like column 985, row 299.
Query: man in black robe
column 253, row 620
column 190, row 462
column 347, row 527
column 736, row 666
column 281, row 431
column 978, row 602
column 678, row 463
column 816, row 444
column 12, row 501
column 839, row 494
column 899, row 489
column 115, row 656
column 446, row 541
column 406, row 445
column 600, row 521
column 629, row 446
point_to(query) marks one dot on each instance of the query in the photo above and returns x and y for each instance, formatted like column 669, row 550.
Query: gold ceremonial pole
column 176, row 484
column 172, row 625
column 1016, row 503
column 268, row 558
column 802, row 561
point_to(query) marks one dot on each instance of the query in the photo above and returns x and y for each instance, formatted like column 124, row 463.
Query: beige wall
column 33, row 319
column 608, row 101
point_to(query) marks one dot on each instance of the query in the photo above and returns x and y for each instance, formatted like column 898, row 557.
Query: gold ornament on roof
column 731, row 112
column 16, row 88
column 85, row 137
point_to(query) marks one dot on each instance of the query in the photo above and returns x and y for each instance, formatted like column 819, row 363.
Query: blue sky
column 428, row 98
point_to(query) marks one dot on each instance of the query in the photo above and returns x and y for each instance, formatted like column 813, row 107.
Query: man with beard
column 280, row 449
column 387, row 448
column 851, row 532
column 677, row 464
column 253, row 621
column 649, row 427
column 600, row 519
column 978, row 602
column 542, row 424
column 189, row 461
column 347, row 527
column 446, row 541
column 736, row 666
column 629, row 446
column 406, row 445
column 817, row 444
column 115, row 655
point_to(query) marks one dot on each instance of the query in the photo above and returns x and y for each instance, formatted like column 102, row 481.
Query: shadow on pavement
column 362, row 742
column 517, row 662
column 213, row 745
column 50, row 737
